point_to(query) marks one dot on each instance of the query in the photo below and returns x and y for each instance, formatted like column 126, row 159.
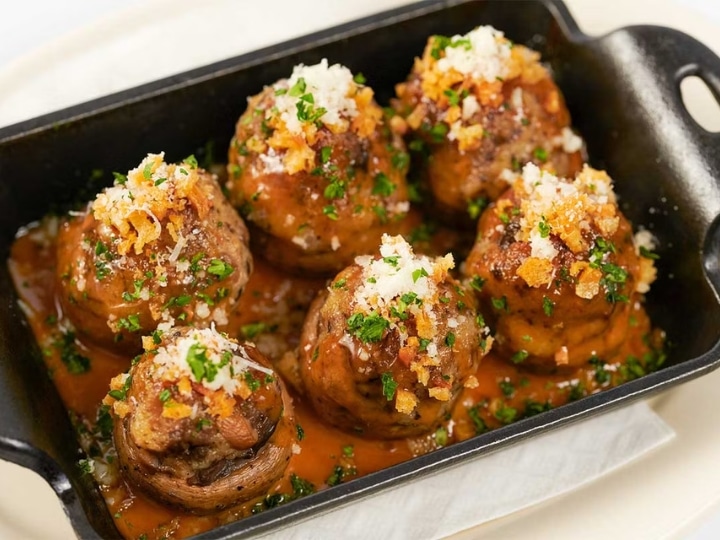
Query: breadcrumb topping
column 575, row 213
column 316, row 97
column 564, row 209
column 396, row 286
column 463, row 74
column 205, row 357
column 137, row 206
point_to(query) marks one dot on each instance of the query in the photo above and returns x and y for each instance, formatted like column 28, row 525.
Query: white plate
column 663, row 495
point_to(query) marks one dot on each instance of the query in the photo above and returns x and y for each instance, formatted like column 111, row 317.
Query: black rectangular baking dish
column 622, row 90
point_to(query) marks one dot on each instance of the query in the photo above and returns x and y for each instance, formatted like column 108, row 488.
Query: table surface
column 31, row 25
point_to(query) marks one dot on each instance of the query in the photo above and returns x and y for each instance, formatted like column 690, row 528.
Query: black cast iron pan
column 623, row 93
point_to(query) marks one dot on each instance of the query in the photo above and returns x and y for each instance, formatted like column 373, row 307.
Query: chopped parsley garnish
column 389, row 386
column 417, row 274
column 392, row 260
column 474, row 414
column 195, row 262
column 334, row 190
column 368, row 329
column 337, row 476
column 300, row 486
column 331, row 212
column 202, row 423
column 441, row 437
column 359, row 78
column 178, row 301
column 298, row 88
column 300, row 432
column 476, row 282
column 544, row 228
column 200, row 364
column 164, row 395
column 438, row 131
column 548, row 306
column 192, row 161
column 75, row 362
column 421, row 233
column 645, row 252
column 348, row 450
column 340, row 283
column 400, row 160
column 540, row 154
column 325, row 153
column 383, row 186
column 507, row 388
column 252, row 381
column 104, row 422
column 505, row 414
column 235, row 170
column 120, row 178
column 135, row 295
column 416, row 145
column 86, row 466
column 381, row 213
column 131, row 323
column 453, row 97
column 439, row 44
column 500, row 304
column 100, row 248
column 121, row 393
column 476, row 206
column 632, row 369
column 251, row 330
column 533, row 407
column 148, row 170
column 519, row 357
column 614, row 277
column 306, row 110
column 220, row 269
column 450, row 339
column 602, row 375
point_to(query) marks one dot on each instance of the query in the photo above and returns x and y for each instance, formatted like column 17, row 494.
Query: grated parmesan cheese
column 171, row 360
column 569, row 141
column 470, row 106
column 329, row 86
column 272, row 162
column 482, row 54
column 566, row 208
column 645, row 239
column 517, row 102
column 136, row 207
column 400, row 272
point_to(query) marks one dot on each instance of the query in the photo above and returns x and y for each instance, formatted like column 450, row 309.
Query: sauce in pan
column 271, row 310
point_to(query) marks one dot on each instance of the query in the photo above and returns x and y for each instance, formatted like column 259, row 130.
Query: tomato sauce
column 274, row 302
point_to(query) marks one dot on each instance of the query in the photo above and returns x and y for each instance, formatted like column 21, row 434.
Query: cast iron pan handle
column 35, row 431
column 672, row 56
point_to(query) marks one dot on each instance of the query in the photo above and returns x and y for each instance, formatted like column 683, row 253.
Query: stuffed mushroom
column 201, row 422
column 478, row 107
column 558, row 269
column 386, row 349
column 161, row 246
column 316, row 171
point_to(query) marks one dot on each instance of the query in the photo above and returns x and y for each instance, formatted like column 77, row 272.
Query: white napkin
column 493, row 486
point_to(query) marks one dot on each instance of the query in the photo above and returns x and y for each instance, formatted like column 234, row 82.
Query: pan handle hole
column 700, row 103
